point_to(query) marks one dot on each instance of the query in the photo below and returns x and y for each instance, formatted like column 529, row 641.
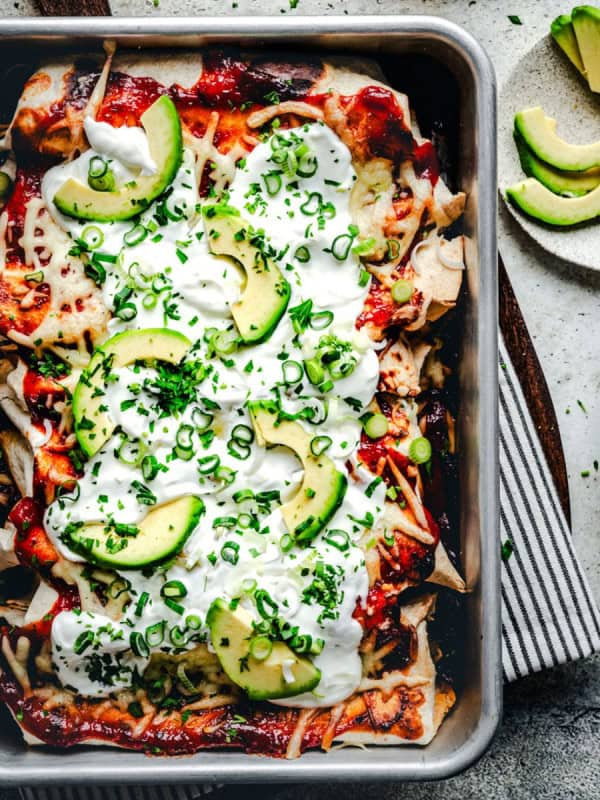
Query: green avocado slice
column 160, row 535
column 266, row 294
column 563, row 34
column 586, row 23
column 163, row 129
column 570, row 184
column 539, row 132
column 535, row 200
column 323, row 486
column 93, row 425
column 231, row 632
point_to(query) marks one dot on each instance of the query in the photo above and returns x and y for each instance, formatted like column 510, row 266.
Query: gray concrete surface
column 549, row 745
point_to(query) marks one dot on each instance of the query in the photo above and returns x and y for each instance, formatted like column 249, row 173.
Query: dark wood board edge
column 533, row 383
column 74, row 8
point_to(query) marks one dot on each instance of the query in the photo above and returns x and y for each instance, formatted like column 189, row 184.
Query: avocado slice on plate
column 158, row 537
column 163, row 129
column 323, row 486
column 93, row 425
column 570, row 184
column 539, row 132
column 280, row 674
column 563, row 34
column 535, row 200
column 266, row 295
column 586, row 23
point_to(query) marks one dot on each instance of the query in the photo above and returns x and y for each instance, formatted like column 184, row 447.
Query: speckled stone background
column 549, row 745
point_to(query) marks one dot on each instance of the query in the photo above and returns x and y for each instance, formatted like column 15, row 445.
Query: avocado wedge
column 563, row 34
column 569, row 184
column 163, row 129
column 539, row 132
column 540, row 203
column 586, row 24
column 231, row 633
column 93, row 425
column 323, row 486
column 159, row 536
column 266, row 294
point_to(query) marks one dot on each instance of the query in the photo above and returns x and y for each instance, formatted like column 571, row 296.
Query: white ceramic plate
column 545, row 77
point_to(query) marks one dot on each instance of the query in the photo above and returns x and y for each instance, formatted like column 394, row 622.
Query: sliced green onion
column 97, row 167
column 321, row 319
column 225, row 474
column 118, row 587
column 312, row 205
column 242, row 495
column 301, row 644
column 363, row 277
column 270, row 496
column 95, row 271
column 314, row 371
column 230, row 552
column 83, row 641
column 150, row 468
column 135, row 235
column 208, row 464
column 174, row 589
column 286, row 543
column 183, row 437
column 238, row 450
column 338, row 539
column 160, row 284
column 201, row 419
column 402, row 291
column 174, row 605
column 155, row 634
column 260, row 647
column 342, row 368
column 193, row 622
column 104, row 182
column 242, row 434
column 376, row 426
column 138, row 644
column 340, row 247
column 292, row 372
column 224, row 522
column 307, row 165
column 149, row 301
column 224, row 342
column 272, row 182
column 319, row 444
column 302, row 254
column 419, row 451
column 92, row 237
column 247, row 521
column 291, row 164
column 393, row 249
column 130, row 451
column 265, row 605
column 141, row 603
column 326, row 386
column 178, row 637
column 317, row 647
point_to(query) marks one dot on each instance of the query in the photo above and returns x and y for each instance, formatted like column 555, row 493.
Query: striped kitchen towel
column 549, row 615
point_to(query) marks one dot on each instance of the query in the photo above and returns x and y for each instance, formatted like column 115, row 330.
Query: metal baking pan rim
column 412, row 763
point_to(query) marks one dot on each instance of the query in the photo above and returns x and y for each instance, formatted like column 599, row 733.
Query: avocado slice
column 93, row 425
column 563, row 34
column 323, row 486
column 535, row 200
column 586, row 23
column 570, row 184
column 231, row 632
column 266, row 295
column 163, row 128
column 539, row 132
column 160, row 535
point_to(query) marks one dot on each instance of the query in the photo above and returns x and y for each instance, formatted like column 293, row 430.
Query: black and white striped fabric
column 549, row 615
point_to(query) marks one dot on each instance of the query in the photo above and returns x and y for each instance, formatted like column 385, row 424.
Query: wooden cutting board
column 512, row 324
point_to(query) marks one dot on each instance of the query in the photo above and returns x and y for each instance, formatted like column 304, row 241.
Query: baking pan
column 468, row 730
